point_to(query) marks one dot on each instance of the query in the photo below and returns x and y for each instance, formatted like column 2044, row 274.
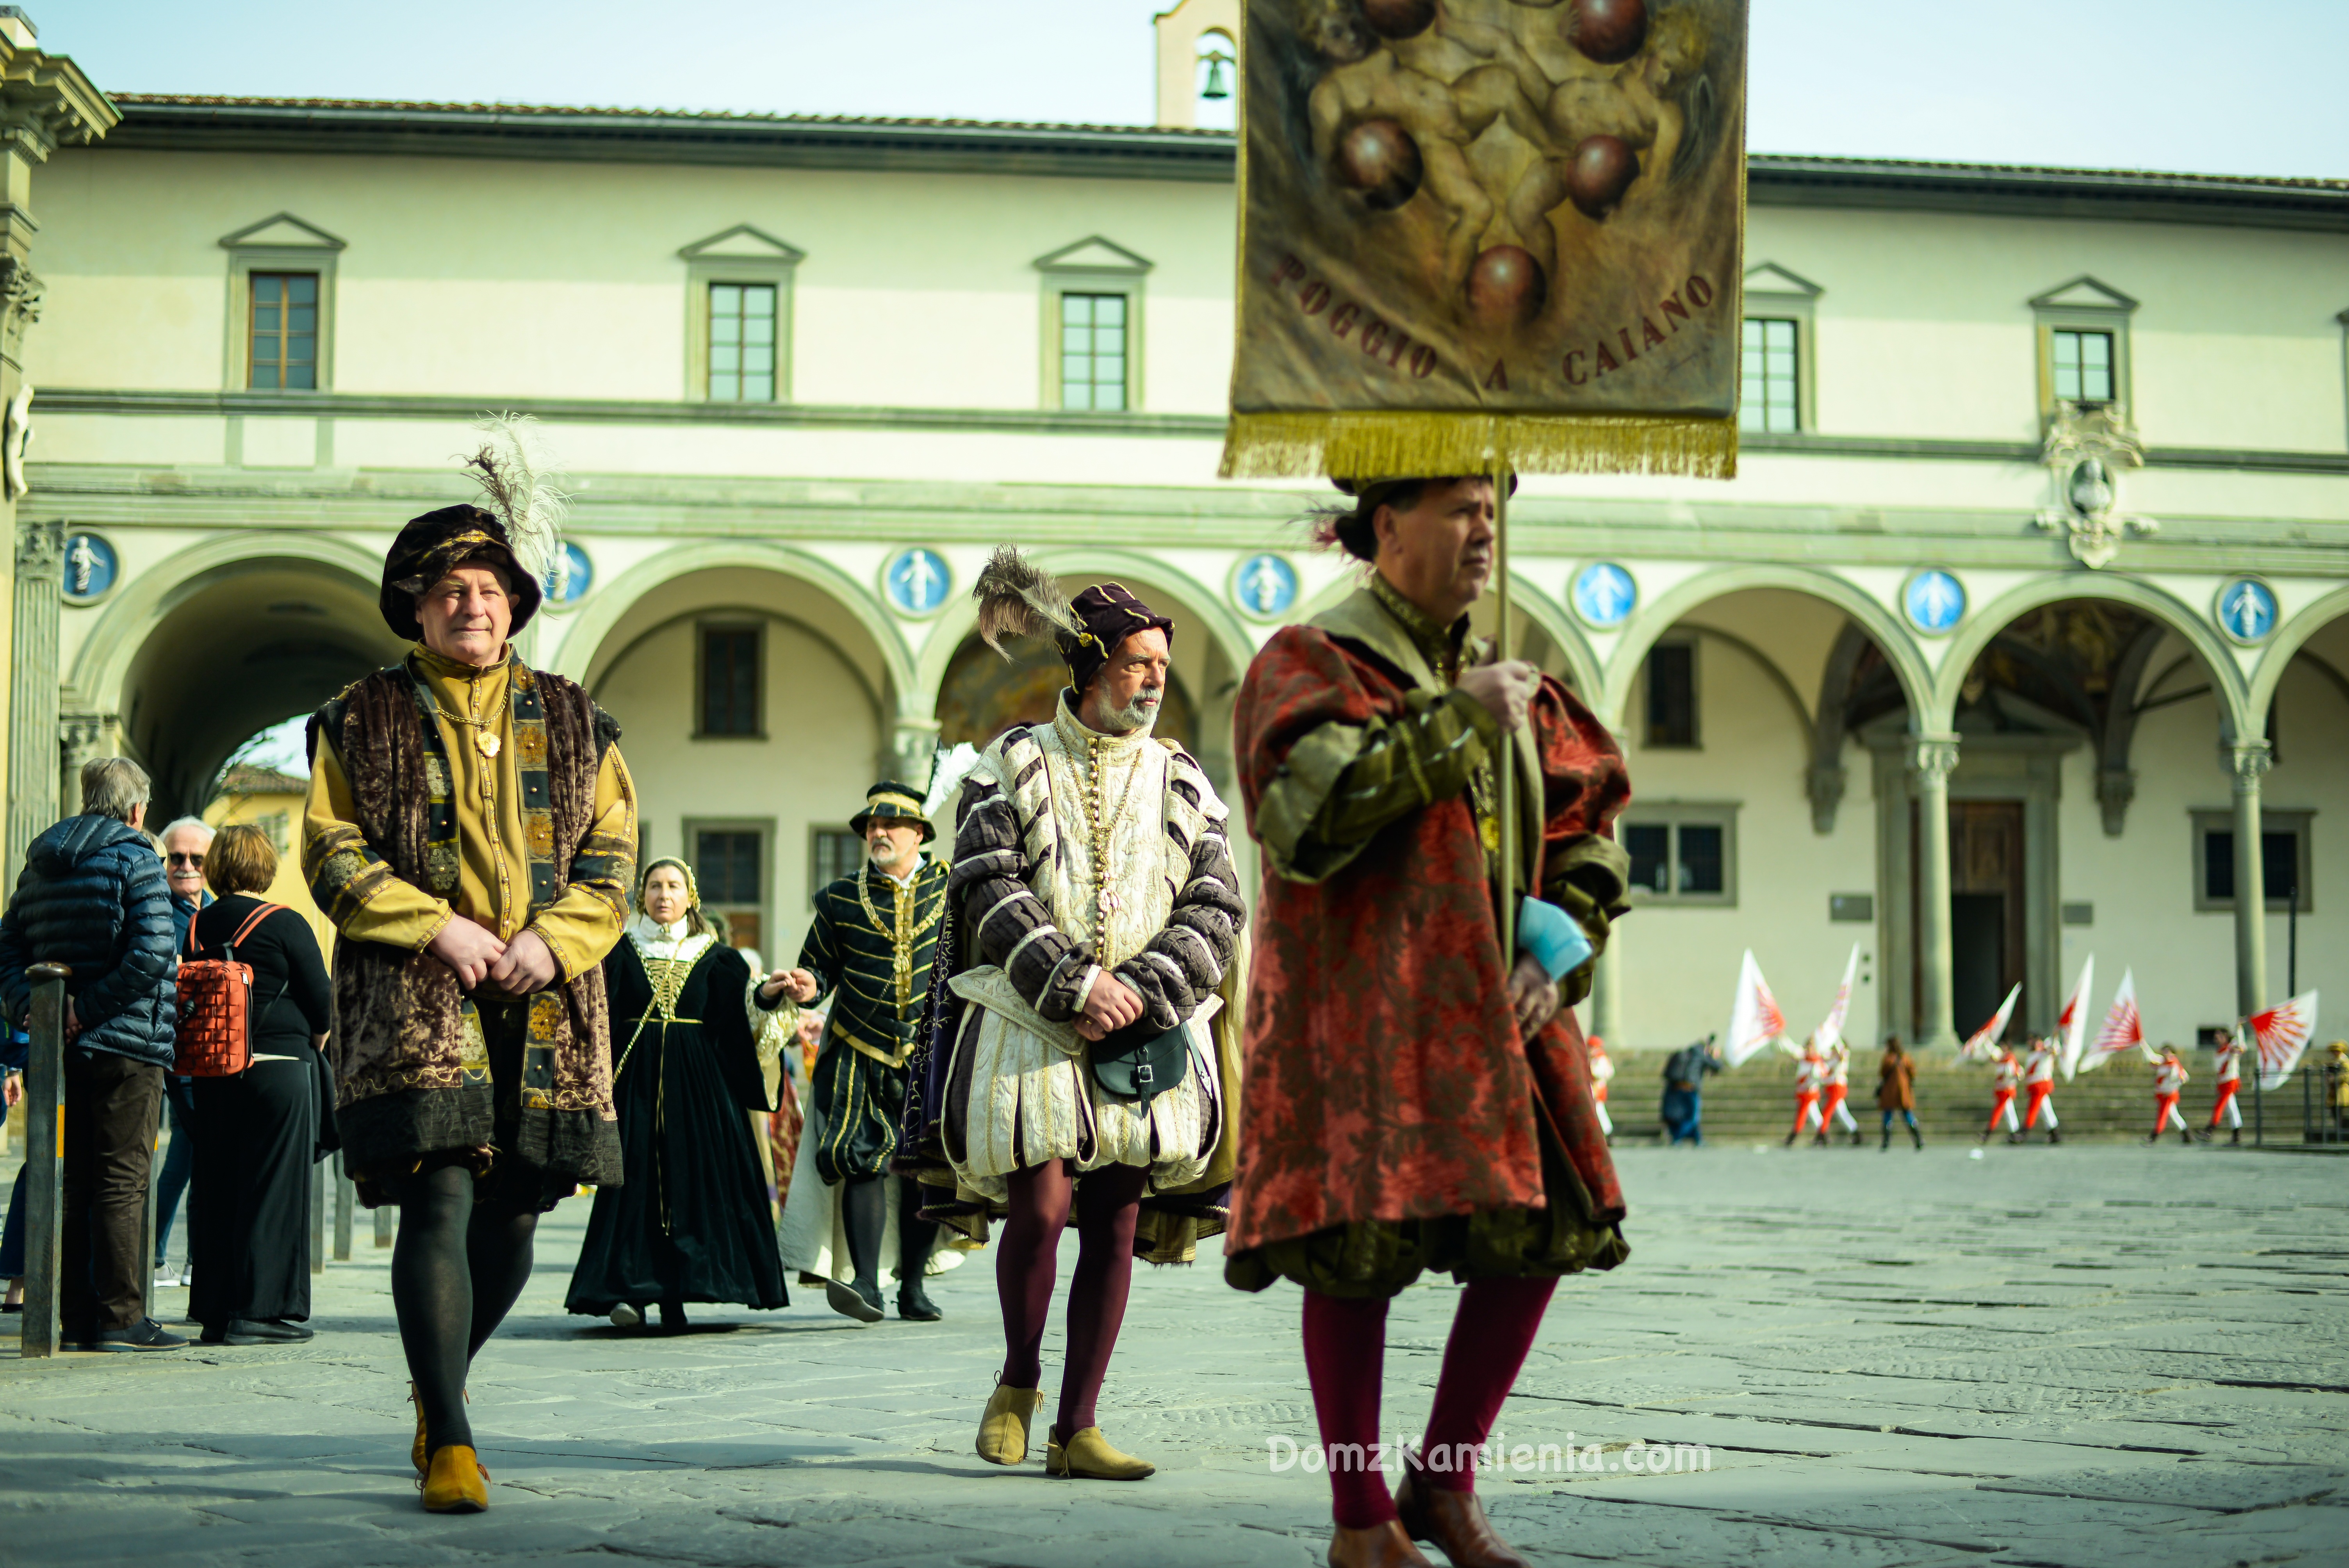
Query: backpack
column 216, row 1011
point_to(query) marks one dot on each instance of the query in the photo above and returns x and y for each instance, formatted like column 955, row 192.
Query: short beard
column 1135, row 714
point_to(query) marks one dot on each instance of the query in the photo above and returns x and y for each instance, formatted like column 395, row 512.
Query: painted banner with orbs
column 1489, row 229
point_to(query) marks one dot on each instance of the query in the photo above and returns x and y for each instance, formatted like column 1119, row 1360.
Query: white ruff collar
column 654, row 940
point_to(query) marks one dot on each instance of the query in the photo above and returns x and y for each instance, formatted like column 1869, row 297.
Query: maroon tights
column 1107, row 1202
column 1345, row 1351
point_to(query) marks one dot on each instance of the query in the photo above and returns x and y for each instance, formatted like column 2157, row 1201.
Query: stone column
column 911, row 740
column 2248, row 761
column 80, row 737
column 1931, row 759
column 33, row 687
column 1607, row 994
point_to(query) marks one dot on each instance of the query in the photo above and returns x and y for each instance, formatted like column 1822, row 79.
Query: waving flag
column 2123, row 1028
column 1983, row 1046
column 1755, row 1019
column 1832, row 1030
column 2282, row 1033
column 2072, row 1026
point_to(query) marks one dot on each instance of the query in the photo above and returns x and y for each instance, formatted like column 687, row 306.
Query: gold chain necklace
column 1106, row 899
column 484, row 741
column 900, row 931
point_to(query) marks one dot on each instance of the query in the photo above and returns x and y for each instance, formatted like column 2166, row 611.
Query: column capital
column 1933, row 758
column 2247, row 760
column 41, row 550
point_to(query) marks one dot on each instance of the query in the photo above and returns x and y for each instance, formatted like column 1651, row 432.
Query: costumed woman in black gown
column 695, row 1041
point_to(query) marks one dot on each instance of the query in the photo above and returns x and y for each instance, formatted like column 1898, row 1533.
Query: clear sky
column 2247, row 88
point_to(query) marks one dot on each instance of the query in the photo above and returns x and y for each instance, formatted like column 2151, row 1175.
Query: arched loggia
column 223, row 640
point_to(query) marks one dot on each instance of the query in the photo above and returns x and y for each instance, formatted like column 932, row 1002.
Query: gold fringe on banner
column 1392, row 443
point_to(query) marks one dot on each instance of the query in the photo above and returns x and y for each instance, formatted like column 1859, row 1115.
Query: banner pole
column 1508, row 760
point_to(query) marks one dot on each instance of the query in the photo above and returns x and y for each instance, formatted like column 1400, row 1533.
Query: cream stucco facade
column 558, row 262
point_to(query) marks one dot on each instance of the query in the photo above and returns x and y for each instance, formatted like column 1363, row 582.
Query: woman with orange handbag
column 257, row 1129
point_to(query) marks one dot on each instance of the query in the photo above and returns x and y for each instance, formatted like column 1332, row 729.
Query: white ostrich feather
column 517, row 470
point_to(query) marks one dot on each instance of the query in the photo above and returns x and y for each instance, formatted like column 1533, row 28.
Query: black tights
column 1108, row 1203
column 865, row 1215
column 455, row 1270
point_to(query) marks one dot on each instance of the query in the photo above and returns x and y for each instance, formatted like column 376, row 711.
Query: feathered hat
column 1017, row 596
column 520, row 531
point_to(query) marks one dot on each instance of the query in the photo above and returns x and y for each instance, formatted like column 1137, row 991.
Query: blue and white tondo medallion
column 917, row 581
column 91, row 567
column 1934, row 601
column 569, row 579
column 1604, row 595
column 1265, row 586
column 2247, row 610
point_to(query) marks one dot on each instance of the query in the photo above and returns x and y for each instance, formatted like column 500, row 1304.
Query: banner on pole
column 1982, row 1045
column 1489, row 233
column 2072, row 1025
column 2124, row 1027
column 2281, row 1034
column 1831, row 1031
column 1755, row 1019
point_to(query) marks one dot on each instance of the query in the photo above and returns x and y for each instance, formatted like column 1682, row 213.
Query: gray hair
column 173, row 826
column 112, row 786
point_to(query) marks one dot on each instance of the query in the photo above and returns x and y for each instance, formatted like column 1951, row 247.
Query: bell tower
column 1198, row 65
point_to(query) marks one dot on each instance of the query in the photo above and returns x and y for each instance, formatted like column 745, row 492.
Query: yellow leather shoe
column 456, row 1483
column 1003, row 1430
column 1087, row 1456
column 416, row 1449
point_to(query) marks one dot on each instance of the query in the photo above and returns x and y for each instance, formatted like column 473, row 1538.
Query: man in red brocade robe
column 1414, row 1102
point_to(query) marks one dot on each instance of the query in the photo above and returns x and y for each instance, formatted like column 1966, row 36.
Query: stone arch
column 586, row 647
column 759, row 809
column 211, row 645
column 2237, row 715
column 1652, row 621
column 2294, row 634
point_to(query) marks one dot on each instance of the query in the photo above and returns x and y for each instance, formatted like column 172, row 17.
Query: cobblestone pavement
column 2057, row 1357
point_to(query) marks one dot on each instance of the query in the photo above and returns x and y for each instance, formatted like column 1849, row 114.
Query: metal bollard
column 45, row 1149
column 386, row 1219
column 346, row 1200
column 317, row 1216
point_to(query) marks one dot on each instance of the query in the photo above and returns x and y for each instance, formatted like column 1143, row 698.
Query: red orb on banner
column 1505, row 287
column 1603, row 169
column 1399, row 18
column 1379, row 159
column 1608, row 31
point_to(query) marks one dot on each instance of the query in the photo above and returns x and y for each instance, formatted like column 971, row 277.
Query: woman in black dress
column 695, row 1041
column 249, row 1225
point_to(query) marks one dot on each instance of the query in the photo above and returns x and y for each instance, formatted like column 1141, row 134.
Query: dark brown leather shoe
column 1455, row 1521
column 1381, row 1546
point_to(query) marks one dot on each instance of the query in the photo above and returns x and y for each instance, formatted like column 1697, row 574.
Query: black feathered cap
column 432, row 546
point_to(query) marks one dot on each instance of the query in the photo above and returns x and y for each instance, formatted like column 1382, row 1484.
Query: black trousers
column 111, row 1106
column 249, row 1221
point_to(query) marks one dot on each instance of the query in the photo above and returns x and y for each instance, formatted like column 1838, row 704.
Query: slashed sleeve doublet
column 1004, row 921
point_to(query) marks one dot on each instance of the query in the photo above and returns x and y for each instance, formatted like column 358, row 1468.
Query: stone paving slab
column 2071, row 1356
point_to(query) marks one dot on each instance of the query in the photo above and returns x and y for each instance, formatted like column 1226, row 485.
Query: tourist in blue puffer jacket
column 92, row 897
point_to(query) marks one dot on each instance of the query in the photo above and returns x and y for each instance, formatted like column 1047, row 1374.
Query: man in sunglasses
column 185, row 843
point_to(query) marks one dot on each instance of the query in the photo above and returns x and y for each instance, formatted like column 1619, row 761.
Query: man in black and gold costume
column 872, row 942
